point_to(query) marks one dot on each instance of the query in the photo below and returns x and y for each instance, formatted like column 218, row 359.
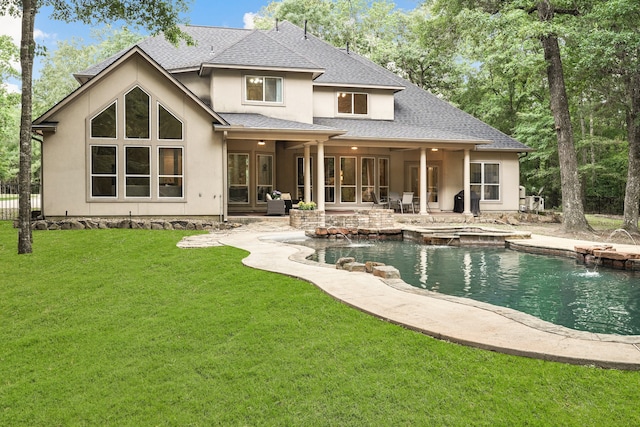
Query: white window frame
column 263, row 101
column 343, row 94
column 247, row 179
column 355, row 180
column 158, row 105
column 96, row 115
column 181, row 176
column 483, row 184
column 92, row 174
column 126, row 175
column 125, row 115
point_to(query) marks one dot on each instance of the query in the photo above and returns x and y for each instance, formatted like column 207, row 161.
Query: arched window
column 137, row 114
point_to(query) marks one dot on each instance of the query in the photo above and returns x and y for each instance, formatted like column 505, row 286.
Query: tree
column 610, row 58
column 9, row 103
column 544, row 21
column 70, row 56
column 154, row 15
column 410, row 44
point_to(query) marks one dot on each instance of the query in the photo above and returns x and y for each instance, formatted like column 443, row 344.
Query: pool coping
column 454, row 319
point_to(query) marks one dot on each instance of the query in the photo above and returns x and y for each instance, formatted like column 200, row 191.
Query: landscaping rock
column 386, row 272
column 344, row 260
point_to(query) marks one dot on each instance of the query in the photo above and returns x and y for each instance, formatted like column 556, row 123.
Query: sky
column 229, row 13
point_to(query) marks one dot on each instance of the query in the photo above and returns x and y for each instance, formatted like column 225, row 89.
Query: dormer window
column 263, row 89
column 353, row 103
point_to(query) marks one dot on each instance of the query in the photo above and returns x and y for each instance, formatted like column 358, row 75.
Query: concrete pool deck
column 458, row 320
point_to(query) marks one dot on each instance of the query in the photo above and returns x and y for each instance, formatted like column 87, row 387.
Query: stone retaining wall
column 148, row 224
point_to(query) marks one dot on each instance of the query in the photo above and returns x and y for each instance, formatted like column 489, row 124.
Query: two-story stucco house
column 209, row 130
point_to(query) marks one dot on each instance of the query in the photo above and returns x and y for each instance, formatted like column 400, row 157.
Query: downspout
column 223, row 200
column 34, row 137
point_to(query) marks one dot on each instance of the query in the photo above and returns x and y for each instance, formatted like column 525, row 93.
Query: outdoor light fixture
column 354, row 148
column 434, row 149
column 261, row 142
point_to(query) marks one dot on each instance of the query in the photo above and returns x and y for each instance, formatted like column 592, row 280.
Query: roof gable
column 131, row 54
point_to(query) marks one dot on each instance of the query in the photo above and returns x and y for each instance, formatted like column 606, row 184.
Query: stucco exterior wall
column 200, row 86
column 227, row 94
column 66, row 153
column 325, row 102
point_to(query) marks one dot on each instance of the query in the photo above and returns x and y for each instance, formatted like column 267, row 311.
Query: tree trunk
column 572, row 207
column 632, row 192
column 27, row 51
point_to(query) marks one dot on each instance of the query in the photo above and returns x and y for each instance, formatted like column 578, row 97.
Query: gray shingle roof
column 260, row 121
column 418, row 113
column 259, row 50
column 340, row 67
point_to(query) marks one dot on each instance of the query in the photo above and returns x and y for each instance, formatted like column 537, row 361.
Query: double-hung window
column 137, row 171
column 353, row 103
column 170, row 175
column 263, row 89
column 104, row 167
column 485, row 180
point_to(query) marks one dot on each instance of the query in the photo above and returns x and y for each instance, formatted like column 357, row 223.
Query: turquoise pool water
column 554, row 289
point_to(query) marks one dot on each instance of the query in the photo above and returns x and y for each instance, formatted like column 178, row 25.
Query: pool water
column 554, row 289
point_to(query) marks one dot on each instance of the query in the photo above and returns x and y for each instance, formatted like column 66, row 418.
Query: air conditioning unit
column 534, row 203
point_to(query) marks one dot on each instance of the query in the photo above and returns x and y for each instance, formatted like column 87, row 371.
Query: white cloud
column 11, row 88
column 248, row 20
column 10, row 26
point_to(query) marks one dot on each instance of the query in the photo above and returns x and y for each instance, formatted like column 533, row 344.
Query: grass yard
column 122, row 328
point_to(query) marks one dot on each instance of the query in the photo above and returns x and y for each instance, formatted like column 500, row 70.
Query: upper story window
column 169, row 126
column 104, row 125
column 137, row 114
column 263, row 89
column 353, row 103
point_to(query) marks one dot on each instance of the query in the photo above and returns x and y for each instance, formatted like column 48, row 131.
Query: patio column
column 320, row 175
column 307, row 173
column 467, row 182
column 423, row 182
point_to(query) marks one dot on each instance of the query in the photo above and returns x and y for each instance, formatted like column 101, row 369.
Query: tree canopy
column 157, row 16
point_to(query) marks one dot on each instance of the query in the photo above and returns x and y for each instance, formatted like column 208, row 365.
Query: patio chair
column 407, row 200
column 393, row 201
column 377, row 203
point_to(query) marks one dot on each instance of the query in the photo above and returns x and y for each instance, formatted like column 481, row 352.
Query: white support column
column 307, row 173
column 320, row 175
column 423, row 181
column 467, row 182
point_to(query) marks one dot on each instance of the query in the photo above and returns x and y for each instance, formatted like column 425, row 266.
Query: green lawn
column 122, row 328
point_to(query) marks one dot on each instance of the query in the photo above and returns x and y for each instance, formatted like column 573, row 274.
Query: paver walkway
column 458, row 320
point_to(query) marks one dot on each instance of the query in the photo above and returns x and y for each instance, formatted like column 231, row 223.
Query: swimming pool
column 554, row 289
